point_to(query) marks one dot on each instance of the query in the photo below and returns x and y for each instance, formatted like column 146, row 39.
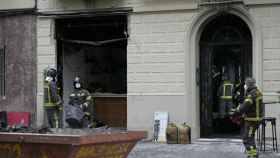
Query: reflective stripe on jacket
column 226, row 90
column 252, row 106
column 51, row 97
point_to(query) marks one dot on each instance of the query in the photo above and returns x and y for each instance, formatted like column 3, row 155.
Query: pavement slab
column 202, row 148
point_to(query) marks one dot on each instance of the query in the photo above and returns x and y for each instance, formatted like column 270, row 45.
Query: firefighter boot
column 252, row 153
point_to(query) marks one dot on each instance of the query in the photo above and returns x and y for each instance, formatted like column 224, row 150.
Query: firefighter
column 238, row 93
column 81, row 99
column 225, row 93
column 238, row 98
column 52, row 101
column 252, row 111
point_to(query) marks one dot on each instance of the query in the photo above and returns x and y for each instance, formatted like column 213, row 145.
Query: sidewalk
column 202, row 148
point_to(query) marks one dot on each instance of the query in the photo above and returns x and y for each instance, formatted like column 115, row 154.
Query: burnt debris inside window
column 94, row 48
column 2, row 72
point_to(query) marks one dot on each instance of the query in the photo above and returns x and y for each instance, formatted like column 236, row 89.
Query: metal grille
column 2, row 72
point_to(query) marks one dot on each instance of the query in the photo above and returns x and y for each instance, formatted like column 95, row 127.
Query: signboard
column 17, row 4
column 160, row 125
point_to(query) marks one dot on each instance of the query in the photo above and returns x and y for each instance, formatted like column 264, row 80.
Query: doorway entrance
column 225, row 61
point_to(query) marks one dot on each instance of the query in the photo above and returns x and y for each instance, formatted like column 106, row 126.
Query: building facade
column 18, row 56
column 168, row 64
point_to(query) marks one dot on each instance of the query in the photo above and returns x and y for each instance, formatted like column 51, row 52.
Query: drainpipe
column 36, row 5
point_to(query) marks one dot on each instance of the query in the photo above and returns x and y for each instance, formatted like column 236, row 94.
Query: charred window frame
column 99, row 34
column 3, row 72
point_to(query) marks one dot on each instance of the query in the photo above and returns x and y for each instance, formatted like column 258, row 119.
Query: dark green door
column 205, row 84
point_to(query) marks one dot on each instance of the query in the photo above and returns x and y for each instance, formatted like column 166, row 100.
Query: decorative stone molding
column 192, row 55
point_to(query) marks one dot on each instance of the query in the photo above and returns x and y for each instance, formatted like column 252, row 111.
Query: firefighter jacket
column 226, row 90
column 81, row 98
column 51, row 97
column 252, row 107
column 238, row 94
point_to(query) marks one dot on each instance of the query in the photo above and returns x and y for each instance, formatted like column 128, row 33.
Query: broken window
column 94, row 49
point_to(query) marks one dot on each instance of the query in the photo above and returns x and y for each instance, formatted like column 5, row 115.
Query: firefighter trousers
column 248, row 136
column 53, row 117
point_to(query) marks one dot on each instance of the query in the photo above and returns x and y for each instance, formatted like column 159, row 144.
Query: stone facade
column 17, row 4
column 267, row 19
column 20, row 61
column 161, row 65
column 156, row 53
column 46, row 55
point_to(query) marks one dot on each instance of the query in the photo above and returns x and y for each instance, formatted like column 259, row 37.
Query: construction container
column 95, row 145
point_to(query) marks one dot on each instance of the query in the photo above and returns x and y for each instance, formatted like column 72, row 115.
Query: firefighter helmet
column 250, row 82
column 50, row 72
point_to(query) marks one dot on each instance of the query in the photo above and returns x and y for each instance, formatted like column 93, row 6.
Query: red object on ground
column 18, row 118
column 236, row 119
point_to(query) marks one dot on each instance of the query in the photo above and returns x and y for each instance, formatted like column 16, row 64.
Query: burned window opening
column 95, row 49
column 99, row 44
column 92, row 29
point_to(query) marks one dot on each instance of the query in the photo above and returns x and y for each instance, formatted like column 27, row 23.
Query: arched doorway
column 225, row 58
